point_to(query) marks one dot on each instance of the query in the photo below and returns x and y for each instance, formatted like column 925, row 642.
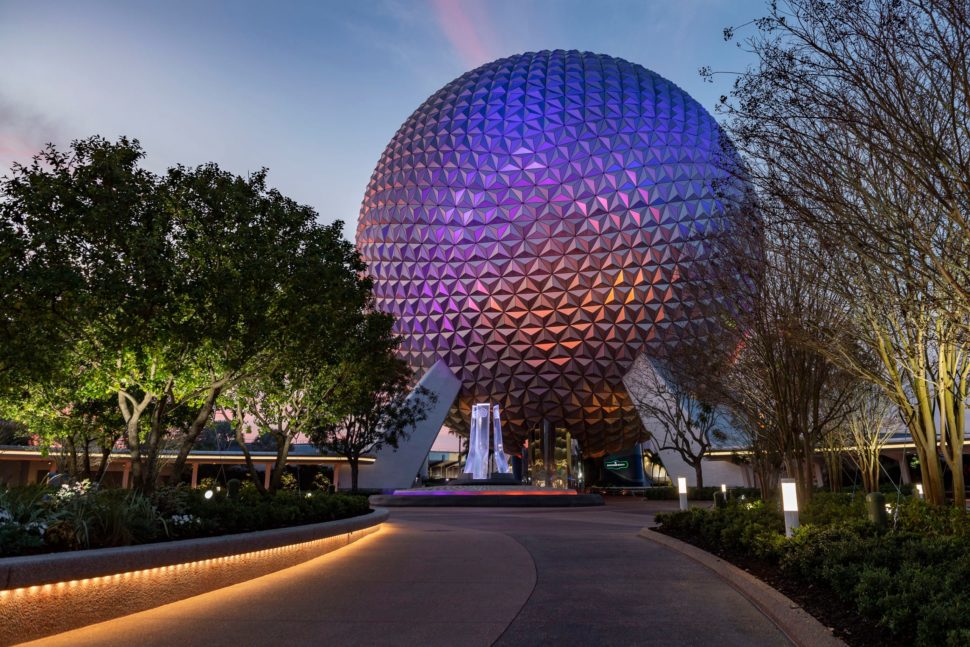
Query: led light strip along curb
column 35, row 611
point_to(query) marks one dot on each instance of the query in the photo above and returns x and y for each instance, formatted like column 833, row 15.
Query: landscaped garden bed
column 41, row 518
column 905, row 585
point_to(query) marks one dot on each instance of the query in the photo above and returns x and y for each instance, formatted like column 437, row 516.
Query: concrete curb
column 35, row 570
column 800, row 627
column 42, row 595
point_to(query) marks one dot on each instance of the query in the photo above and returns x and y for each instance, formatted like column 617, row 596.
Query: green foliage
column 38, row 519
column 669, row 493
column 373, row 407
column 158, row 293
column 934, row 521
column 321, row 482
column 289, row 482
column 22, row 519
column 742, row 527
column 233, row 487
column 911, row 579
column 833, row 507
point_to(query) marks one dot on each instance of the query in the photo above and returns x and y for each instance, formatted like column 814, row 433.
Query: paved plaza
column 483, row 576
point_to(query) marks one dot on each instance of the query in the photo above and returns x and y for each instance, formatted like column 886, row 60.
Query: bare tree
column 868, row 429
column 833, row 448
column 787, row 393
column 856, row 122
column 764, row 454
column 677, row 419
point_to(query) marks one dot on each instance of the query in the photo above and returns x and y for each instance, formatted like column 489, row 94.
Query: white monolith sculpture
column 476, row 464
column 498, row 451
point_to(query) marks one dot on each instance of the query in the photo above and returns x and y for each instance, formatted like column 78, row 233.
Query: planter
column 42, row 595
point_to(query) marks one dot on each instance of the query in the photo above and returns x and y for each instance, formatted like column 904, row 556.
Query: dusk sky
column 312, row 90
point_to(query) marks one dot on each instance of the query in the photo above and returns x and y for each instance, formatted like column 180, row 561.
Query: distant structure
column 536, row 224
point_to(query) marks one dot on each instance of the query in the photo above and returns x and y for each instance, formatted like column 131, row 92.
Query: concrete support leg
column 548, row 451
column 266, row 475
column 126, row 474
column 195, row 475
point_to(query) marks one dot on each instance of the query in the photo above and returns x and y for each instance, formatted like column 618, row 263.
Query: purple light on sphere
column 534, row 223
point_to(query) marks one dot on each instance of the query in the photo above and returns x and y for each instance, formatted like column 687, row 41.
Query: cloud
column 468, row 29
column 23, row 132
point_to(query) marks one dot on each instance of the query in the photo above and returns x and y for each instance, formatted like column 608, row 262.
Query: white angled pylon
column 498, row 451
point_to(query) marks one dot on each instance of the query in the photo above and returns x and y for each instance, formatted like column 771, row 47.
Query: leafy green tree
column 164, row 292
column 281, row 408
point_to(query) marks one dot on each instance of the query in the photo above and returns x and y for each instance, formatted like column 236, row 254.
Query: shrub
column 669, row 493
column 43, row 519
column 910, row 580
column 743, row 527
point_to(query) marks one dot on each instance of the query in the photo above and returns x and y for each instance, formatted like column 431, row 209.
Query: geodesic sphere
column 533, row 223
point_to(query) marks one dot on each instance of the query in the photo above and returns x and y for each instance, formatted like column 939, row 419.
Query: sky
column 312, row 90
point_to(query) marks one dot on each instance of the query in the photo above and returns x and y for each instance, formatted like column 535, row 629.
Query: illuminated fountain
column 476, row 463
column 480, row 487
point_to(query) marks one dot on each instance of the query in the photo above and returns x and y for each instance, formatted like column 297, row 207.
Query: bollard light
column 789, row 495
column 682, row 491
column 919, row 491
column 723, row 488
column 789, row 503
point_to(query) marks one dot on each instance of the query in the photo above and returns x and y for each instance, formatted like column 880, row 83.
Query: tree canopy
column 163, row 291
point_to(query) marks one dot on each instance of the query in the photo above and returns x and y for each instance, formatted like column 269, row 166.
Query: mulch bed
column 832, row 612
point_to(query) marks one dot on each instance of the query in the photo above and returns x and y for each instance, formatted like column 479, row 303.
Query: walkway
column 468, row 577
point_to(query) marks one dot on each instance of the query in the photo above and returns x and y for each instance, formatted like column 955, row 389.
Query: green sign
column 617, row 464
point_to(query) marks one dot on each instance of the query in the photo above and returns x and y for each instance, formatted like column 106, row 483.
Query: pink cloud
column 470, row 36
column 15, row 149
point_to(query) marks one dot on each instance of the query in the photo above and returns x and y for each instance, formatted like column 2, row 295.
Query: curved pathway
column 468, row 577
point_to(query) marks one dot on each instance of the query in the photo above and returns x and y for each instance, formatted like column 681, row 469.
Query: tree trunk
column 249, row 458
column 870, row 479
column 699, row 474
column 959, row 487
column 192, row 434
column 807, row 470
column 73, row 469
column 931, row 474
column 833, row 465
column 354, row 469
column 87, row 460
column 103, row 466
column 134, row 451
column 282, row 452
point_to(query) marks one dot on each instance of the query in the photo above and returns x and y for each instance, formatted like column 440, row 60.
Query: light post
column 789, row 503
column 682, row 491
column 919, row 491
column 721, row 501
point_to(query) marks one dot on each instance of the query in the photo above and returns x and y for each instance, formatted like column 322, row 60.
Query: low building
column 24, row 465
